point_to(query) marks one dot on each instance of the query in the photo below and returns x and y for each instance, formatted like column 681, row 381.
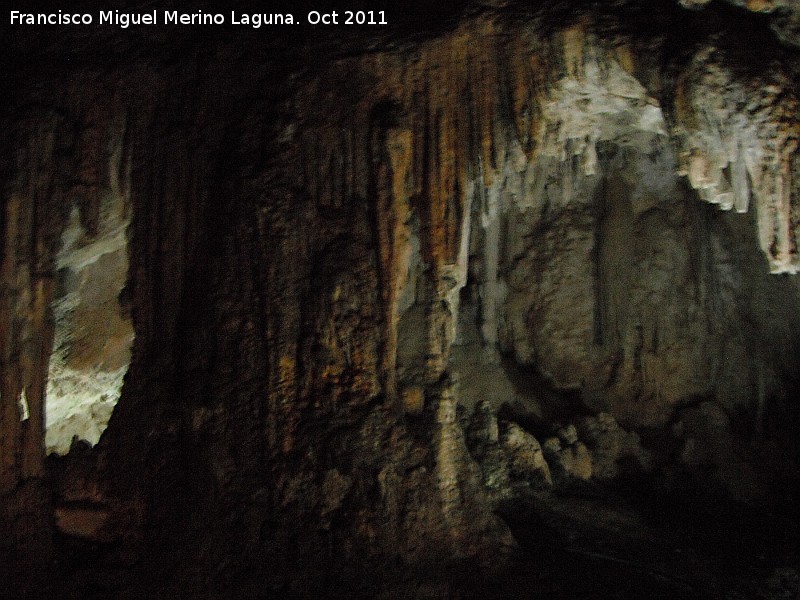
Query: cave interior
column 499, row 300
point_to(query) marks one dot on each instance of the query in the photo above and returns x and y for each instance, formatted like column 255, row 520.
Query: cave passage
column 93, row 335
column 93, row 332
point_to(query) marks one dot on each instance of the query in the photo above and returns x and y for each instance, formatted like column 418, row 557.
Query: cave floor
column 575, row 543
column 629, row 543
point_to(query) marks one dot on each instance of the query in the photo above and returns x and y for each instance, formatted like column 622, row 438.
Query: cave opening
column 93, row 332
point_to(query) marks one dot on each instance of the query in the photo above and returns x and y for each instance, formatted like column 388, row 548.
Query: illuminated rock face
column 739, row 140
column 93, row 334
column 538, row 181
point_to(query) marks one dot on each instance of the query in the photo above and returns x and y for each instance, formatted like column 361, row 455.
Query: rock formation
column 362, row 287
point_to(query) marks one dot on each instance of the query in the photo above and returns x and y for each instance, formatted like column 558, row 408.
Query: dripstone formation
column 378, row 313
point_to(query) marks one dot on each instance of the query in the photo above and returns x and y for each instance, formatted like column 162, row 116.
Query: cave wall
column 55, row 160
column 305, row 241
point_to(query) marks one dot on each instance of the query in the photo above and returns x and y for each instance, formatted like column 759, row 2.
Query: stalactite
column 731, row 155
column 280, row 256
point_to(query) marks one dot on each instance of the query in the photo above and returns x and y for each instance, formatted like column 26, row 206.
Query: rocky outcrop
column 611, row 446
column 513, row 461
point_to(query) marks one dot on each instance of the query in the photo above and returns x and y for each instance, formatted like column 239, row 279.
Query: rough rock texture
column 506, row 453
column 309, row 239
column 610, row 444
column 525, row 453
column 93, row 333
column 53, row 162
column 568, row 460
column 783, row 15
column 728, row 158
column 598, row 449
